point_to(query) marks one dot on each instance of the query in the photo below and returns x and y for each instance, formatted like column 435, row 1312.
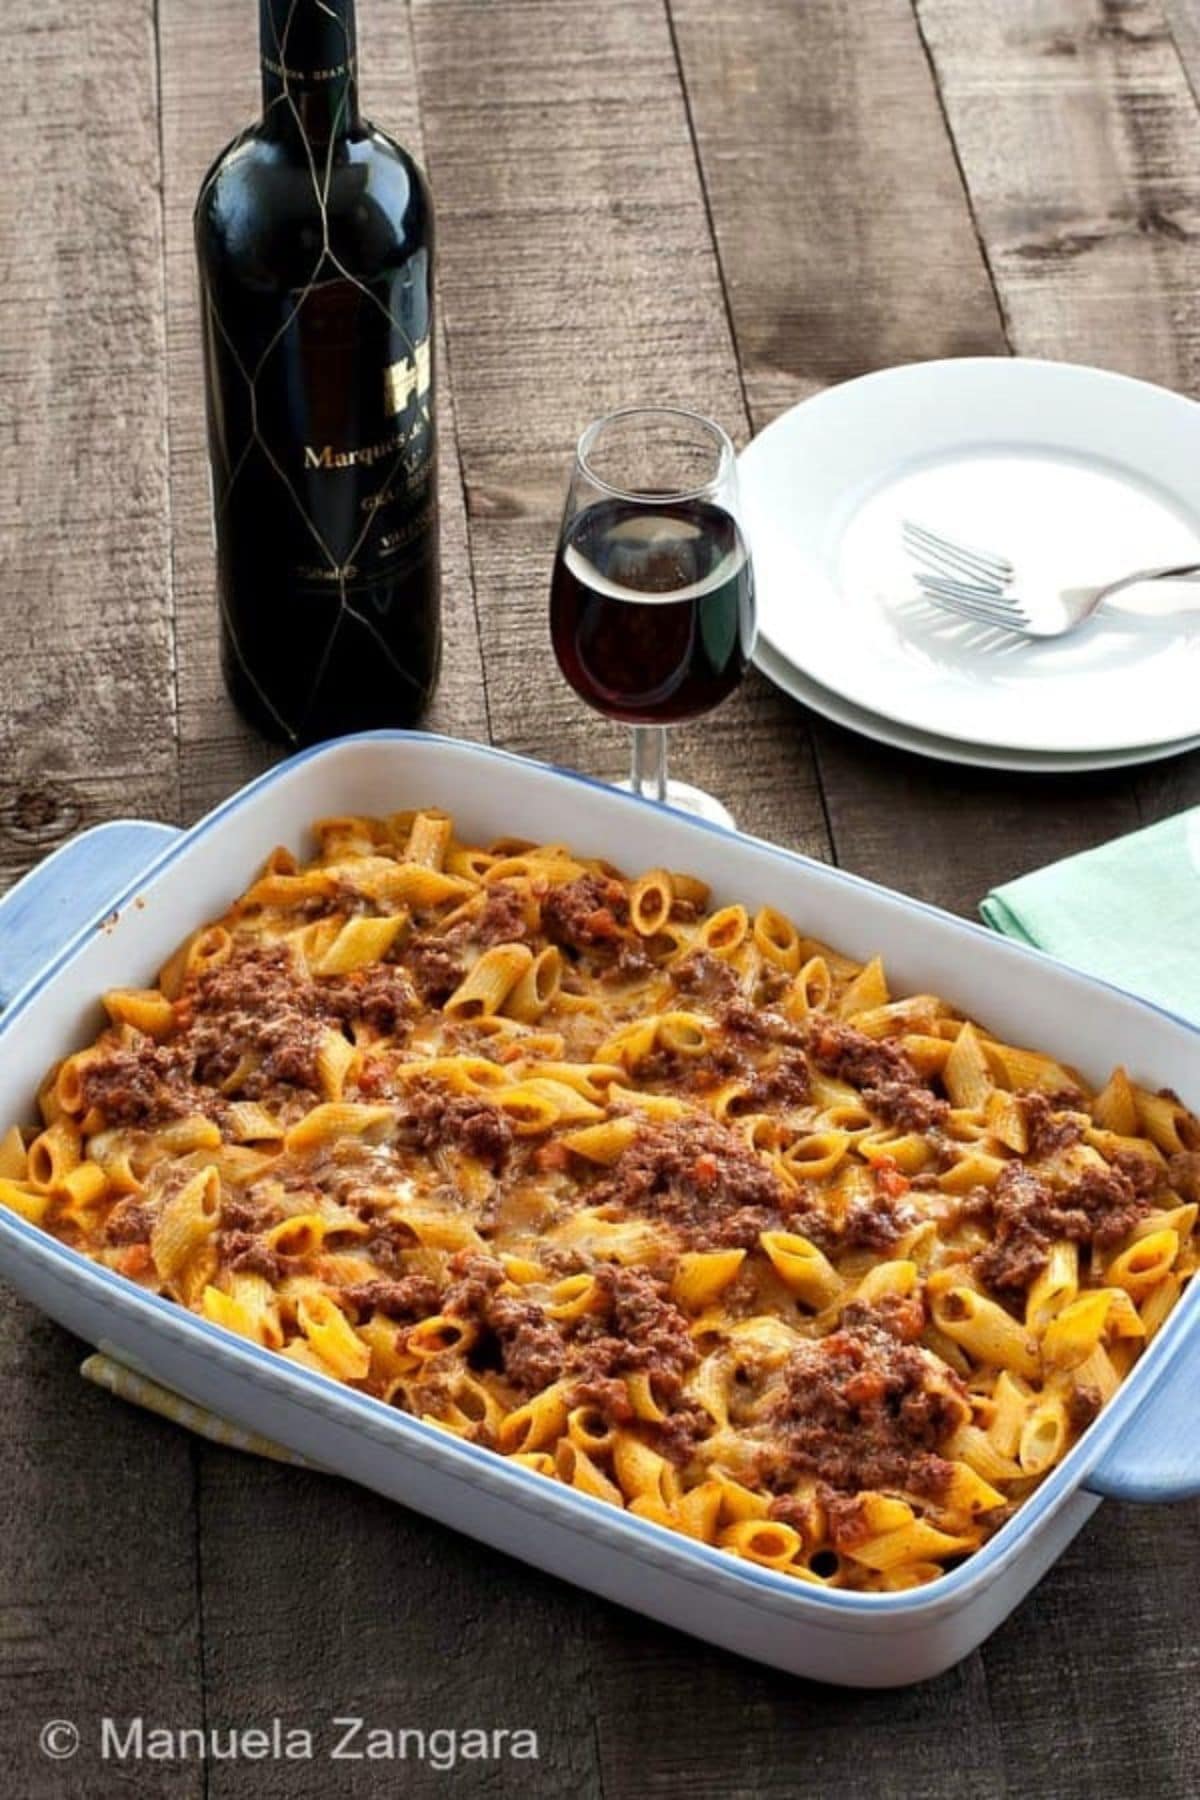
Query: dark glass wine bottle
column 314, row 236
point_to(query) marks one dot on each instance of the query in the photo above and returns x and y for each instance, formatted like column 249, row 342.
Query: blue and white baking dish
column 142, row 888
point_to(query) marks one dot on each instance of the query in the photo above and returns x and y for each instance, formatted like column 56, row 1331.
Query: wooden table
column 729, row 206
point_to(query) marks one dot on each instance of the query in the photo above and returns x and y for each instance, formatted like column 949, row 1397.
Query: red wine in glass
column 652, row 595
column 652, row 608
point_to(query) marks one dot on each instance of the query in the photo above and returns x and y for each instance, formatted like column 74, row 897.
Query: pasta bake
column 665, row 1201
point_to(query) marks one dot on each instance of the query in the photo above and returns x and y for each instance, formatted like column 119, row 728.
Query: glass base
column 692, row 800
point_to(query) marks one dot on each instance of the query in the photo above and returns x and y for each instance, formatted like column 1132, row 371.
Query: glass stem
column 649, row 778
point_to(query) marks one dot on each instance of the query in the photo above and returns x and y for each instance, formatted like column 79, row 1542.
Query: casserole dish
column 1139, row 1448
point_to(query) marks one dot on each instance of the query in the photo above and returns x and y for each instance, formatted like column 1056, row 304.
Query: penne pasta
column 651, row 1192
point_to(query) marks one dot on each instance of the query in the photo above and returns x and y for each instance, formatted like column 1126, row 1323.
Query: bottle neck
column 309, row 68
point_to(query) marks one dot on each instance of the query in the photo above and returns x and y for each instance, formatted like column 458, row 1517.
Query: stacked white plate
column 1077, row 476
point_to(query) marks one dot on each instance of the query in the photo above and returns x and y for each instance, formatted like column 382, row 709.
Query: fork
column 975, row 584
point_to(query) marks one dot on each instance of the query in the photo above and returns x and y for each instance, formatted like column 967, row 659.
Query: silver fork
column 975, row 584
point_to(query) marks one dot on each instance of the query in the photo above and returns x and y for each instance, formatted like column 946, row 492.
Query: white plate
column 1075, row 474
column 942, row 749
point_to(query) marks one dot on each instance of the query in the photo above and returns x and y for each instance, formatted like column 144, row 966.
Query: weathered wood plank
column 948, row 834
column 1077, row 135
column 847, row 244
column 98, row 1604
column 838, row 211
column 394, row 1620
column 577, row 275
column 1084, row 1679
column 390, row 1607
column 97, row 1594
column 210, row 90
column 1077, row 132
column 942, row 833
column 721, row 1729
column 563, row 157
column 87, row 729
column 1183, row 20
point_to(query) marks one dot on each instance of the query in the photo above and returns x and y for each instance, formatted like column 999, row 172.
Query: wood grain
column 577, row 275
column 1183, row 21
column 85, row 625
column 868, row 222
column 99, row 1612
column 1076, row 131
column 845, row 240
column 86, row 732
column 892, row 816
column 1076, row 128
column 1088, row 1707
column 384, row 1612
column 580, row 198
column 589, row 256
column 396, row 1621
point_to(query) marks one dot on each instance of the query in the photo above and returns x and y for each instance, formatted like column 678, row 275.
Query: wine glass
column 652, row 598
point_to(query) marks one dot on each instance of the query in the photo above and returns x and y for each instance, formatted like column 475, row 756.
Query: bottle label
column 324, row 442
column 408, row 379
column 309, row 77
column 380, row 492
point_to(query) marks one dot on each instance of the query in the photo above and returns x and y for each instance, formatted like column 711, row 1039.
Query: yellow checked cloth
column 117, row 1378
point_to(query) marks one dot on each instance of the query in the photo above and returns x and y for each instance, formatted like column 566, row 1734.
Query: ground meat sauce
column 503, row 919
column 875, row 1224
column 528, row 1346
column 254, row 1004
column 796, row 1510
column 257, row 1013
column 132, row 1085
column 411, row 1297
column 1024, row 1215
column 698, row 1177
column 1046, row 1129
column 631, row 960
column 682, row 1432
column 531, row 1348
column 785, row 1083
column 902, row 1316
column 863, row 1408
column 759, row 1023
column 433, row 1118
column 381, row 995
column 709, row 978
column 130, row 1222
column 637, row 1327
column 252, row 1255
column 692, row 1073
column 1183, row 1173
column 890, row 1085
column 249, row 1211
column 435, row 965
column 608, row 1395
column 1150, row 1178
column 587, row 914
column 392, row 1241
column 633, row 1326
column 1083, row 1405
column 846, row 1519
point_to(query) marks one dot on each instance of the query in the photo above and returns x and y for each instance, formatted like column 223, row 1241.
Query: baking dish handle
column 69, row 891
column 1157, row 1455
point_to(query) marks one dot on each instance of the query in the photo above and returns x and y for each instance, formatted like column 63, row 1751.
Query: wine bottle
column 314, row 238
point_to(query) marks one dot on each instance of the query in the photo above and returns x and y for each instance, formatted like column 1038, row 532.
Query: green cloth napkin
column 1129, row 911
